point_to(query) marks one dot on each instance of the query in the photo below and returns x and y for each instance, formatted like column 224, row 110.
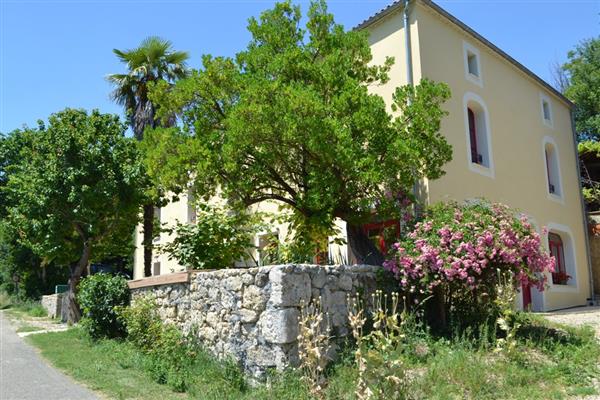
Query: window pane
column 472, row 64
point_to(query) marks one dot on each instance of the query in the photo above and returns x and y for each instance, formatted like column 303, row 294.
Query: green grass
column 28, row 307
column 28, row 328
column 5, row 301
column 32, row 309
column 116, row 369
column 551, row 363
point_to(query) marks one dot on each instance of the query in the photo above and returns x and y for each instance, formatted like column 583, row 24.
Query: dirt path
column 577, row 316
column 26, row 325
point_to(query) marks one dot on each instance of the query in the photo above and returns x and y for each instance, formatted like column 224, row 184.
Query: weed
column 313, row 344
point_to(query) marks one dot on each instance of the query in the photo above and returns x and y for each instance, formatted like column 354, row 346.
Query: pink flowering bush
column 459, row 253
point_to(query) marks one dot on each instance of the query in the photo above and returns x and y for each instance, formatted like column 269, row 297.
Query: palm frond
column 154, row 59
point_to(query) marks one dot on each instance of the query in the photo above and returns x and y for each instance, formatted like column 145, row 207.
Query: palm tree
column 154, row 60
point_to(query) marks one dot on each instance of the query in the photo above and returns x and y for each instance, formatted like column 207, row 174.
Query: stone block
column 279, row 326
column 254, row 298
column 319, row 277
column 53, row 304
column 289, row 290
column 247, row 316
column 345, row 282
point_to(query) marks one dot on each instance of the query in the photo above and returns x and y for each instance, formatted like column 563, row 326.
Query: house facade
column 511, row 133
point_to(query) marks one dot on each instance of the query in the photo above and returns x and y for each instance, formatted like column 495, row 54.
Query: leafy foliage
column 217, row 239
column 77, row 182
column 142, row 322
column 589, row 150
column 461, row 253
column 24, row 274
column 583, row 88
column 98, row 296
column 154, row 60
column 171, row 355
column 291, row 119
column 74, row 191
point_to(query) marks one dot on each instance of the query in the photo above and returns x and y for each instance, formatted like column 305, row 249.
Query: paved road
column 25, row 376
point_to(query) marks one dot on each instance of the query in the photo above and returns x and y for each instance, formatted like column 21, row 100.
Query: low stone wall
column 53, row 304
column 251, row 315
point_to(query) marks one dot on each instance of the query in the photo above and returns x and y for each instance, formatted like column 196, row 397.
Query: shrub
column 30, row 307
column 5, row 300
column 460, row 253
column 98, row 296
column 37, row 310
column 216, row 240
column 142, row 323
column 171, row 355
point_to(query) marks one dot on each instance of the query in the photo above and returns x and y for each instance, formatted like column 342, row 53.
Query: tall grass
column 5, row 300
column 29, row 307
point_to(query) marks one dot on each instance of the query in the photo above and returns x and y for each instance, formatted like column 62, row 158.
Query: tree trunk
column 364, row 250
column 73, row 311
column 148, row 229
column 437, row 311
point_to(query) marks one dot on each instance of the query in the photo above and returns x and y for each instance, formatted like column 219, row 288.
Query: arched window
column 478, row 134
column 552, row 168
column 562, row 247
column 557, row 250
column 476, row 156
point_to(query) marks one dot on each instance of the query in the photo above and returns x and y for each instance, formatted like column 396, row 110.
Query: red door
column 383, row 233
column 526, row 289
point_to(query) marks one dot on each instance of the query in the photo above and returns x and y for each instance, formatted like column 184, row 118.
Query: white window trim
column 480, row 169
column 469, row 48
column 565, row 234
column 552, row 196
column 257, row 238
column 546, row 99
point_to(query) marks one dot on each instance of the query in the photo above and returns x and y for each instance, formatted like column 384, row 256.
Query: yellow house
column 511, row 133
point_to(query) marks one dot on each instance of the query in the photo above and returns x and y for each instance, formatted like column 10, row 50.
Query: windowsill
column 556, row 198
column 548, row 123
column 481, row 169
column 563, row 288
column 474, row 79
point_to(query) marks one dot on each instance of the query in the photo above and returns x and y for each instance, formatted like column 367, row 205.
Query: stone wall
column 251, row 315
column 53, row 304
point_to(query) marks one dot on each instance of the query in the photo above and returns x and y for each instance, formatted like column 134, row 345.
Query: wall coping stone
column 177, row 277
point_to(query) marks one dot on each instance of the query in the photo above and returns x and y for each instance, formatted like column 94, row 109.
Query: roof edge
column 398, row 5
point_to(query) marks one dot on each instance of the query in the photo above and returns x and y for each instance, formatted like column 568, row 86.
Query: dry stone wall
column 53, row 304
column 251, row 315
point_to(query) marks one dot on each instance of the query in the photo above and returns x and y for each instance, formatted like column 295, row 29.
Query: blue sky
column 56, row 53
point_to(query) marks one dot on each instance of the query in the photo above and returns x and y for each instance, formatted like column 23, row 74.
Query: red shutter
column 473, row 136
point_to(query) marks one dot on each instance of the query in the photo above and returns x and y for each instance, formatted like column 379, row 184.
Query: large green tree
column 153, row 61
column 22, row 272
column 583, row 87
column 291, row 119
column 73, row 192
